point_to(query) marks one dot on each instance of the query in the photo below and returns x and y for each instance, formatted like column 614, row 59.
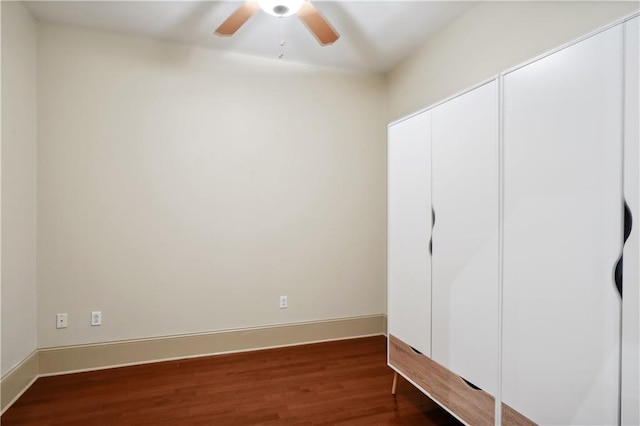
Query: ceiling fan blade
column 237, row 18
column 316, row 24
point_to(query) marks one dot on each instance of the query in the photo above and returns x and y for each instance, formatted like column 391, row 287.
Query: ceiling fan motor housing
column 281, row 8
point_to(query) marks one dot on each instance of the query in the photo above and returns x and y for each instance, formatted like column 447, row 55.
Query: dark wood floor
column 339, row 383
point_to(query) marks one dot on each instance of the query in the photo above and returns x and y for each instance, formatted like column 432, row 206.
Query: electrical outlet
column 61, row 320
column 96, row 318
column 283, row 302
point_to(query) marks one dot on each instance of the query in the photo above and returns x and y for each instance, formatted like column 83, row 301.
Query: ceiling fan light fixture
column 281, row 8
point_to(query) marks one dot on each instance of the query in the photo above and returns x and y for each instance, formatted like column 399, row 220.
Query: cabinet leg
column 395, row 383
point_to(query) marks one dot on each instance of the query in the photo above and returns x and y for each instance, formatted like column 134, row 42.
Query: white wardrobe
column 509, row 302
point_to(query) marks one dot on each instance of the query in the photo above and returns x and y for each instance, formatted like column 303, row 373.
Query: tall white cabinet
column 563, row 233
column 509, row 300
column 443, row 254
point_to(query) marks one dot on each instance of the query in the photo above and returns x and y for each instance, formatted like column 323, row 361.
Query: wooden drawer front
column 474, row 407
column 511, row 417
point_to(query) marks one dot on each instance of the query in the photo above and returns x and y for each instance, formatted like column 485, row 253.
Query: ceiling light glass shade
column 281, row 8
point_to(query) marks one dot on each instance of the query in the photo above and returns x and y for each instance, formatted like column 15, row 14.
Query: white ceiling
column 375, row 35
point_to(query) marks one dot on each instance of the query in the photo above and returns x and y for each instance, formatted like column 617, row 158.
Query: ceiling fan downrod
column 282, row 41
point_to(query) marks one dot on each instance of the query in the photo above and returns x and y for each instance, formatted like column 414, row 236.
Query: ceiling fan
column 313, row 20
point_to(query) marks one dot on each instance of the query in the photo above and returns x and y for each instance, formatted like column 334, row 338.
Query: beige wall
column 18, row 184
column 182, row 189
column 490, row 38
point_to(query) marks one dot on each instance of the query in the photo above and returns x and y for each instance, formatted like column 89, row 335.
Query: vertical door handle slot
column 628, row 224
column 433, row 223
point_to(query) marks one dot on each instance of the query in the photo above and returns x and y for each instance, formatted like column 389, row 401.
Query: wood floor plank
column 335, row 383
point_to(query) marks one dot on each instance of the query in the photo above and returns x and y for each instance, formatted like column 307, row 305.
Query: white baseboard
column 18, row 380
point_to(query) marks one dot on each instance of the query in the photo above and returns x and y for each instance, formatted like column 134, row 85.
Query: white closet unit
column 466, row 293
column 517, row 286
column 464, row 149
column 409, row 231
column 631, row 301
column 563, row 211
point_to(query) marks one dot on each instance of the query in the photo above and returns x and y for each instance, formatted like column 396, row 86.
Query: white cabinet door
column 563, row 234
column 464, row 149
column 631, row 301
column 409, row 232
